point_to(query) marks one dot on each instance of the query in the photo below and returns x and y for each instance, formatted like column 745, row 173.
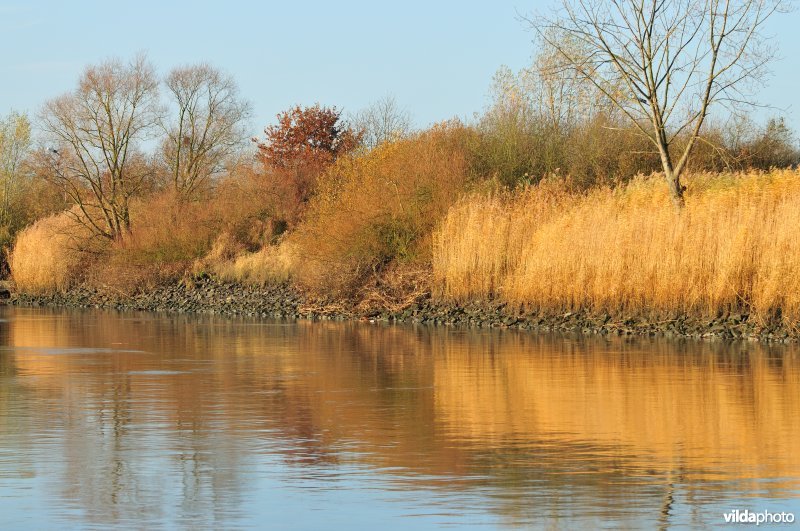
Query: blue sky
column 436, row 58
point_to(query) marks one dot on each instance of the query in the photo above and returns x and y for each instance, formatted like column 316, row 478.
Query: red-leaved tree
column 300, row 147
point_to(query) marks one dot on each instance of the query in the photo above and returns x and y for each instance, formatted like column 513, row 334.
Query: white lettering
column 746, row 516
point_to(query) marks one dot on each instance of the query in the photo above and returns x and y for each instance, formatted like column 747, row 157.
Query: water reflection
column 136, row 420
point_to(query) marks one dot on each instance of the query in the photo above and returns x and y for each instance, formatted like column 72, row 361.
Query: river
column 142, row 420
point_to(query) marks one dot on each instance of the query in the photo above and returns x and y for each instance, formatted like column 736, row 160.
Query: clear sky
column 436, row 58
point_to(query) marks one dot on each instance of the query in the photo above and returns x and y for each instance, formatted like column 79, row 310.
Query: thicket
column 380, row 208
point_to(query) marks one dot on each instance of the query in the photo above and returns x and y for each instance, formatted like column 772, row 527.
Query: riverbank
column 209, row 296
column 608, row 260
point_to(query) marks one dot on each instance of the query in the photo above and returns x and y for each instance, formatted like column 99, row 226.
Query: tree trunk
column 673, row 177
column 676, row 189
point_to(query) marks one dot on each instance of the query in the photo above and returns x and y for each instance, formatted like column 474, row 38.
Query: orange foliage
column 299, row 148
column 381, row 207
column 172, row 236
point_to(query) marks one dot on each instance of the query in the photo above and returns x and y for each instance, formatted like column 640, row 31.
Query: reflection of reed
column 723, row 413
column 441, row 408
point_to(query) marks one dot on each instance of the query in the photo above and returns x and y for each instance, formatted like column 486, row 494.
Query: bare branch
column 93, row 132
column 675, row 59
column 207, row 129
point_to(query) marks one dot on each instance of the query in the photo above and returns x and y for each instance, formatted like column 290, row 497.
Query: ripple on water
column 146, row 421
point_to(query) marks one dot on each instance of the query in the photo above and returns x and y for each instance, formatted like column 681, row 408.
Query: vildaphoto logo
column 746, row 516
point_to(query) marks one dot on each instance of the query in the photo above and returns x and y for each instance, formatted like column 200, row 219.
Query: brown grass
column 46, row 258
column 271, row 265
column 734, row 247
column 481, row 239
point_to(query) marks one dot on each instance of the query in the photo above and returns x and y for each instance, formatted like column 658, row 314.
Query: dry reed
column 735, row 247
column 46, row 257
column 271, row 265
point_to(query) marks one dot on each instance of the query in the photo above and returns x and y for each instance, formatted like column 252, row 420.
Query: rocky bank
column 208, row 296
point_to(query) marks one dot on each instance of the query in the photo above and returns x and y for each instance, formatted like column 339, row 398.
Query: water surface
column 140, row 420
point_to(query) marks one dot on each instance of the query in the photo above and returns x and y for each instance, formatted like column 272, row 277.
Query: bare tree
column 94, row 132
column 208, row 128
column 664, row 63
column 548, row 93
column 382, row 121
column 562, row 98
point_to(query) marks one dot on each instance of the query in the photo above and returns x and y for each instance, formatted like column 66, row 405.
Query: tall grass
column 482, row 237
column 734, row 247
column 47, row 256
column 271, row 265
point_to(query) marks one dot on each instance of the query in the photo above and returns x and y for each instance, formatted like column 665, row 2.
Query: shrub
column 172, row 234
column 516, row 146
column 380, row 207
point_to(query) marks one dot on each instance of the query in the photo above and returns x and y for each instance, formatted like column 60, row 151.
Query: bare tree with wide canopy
column 93, row 133
column 664, row 63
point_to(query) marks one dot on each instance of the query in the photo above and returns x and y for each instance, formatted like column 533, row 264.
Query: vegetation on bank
column 552, row 199
column 627, row 251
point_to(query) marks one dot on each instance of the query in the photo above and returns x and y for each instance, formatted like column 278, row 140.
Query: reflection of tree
column 14, row 430
column 532, row 426
column 129, row 441
column 7, row 368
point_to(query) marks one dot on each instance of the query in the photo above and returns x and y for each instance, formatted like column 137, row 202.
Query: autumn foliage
column 298, row 149
column 380, row 207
